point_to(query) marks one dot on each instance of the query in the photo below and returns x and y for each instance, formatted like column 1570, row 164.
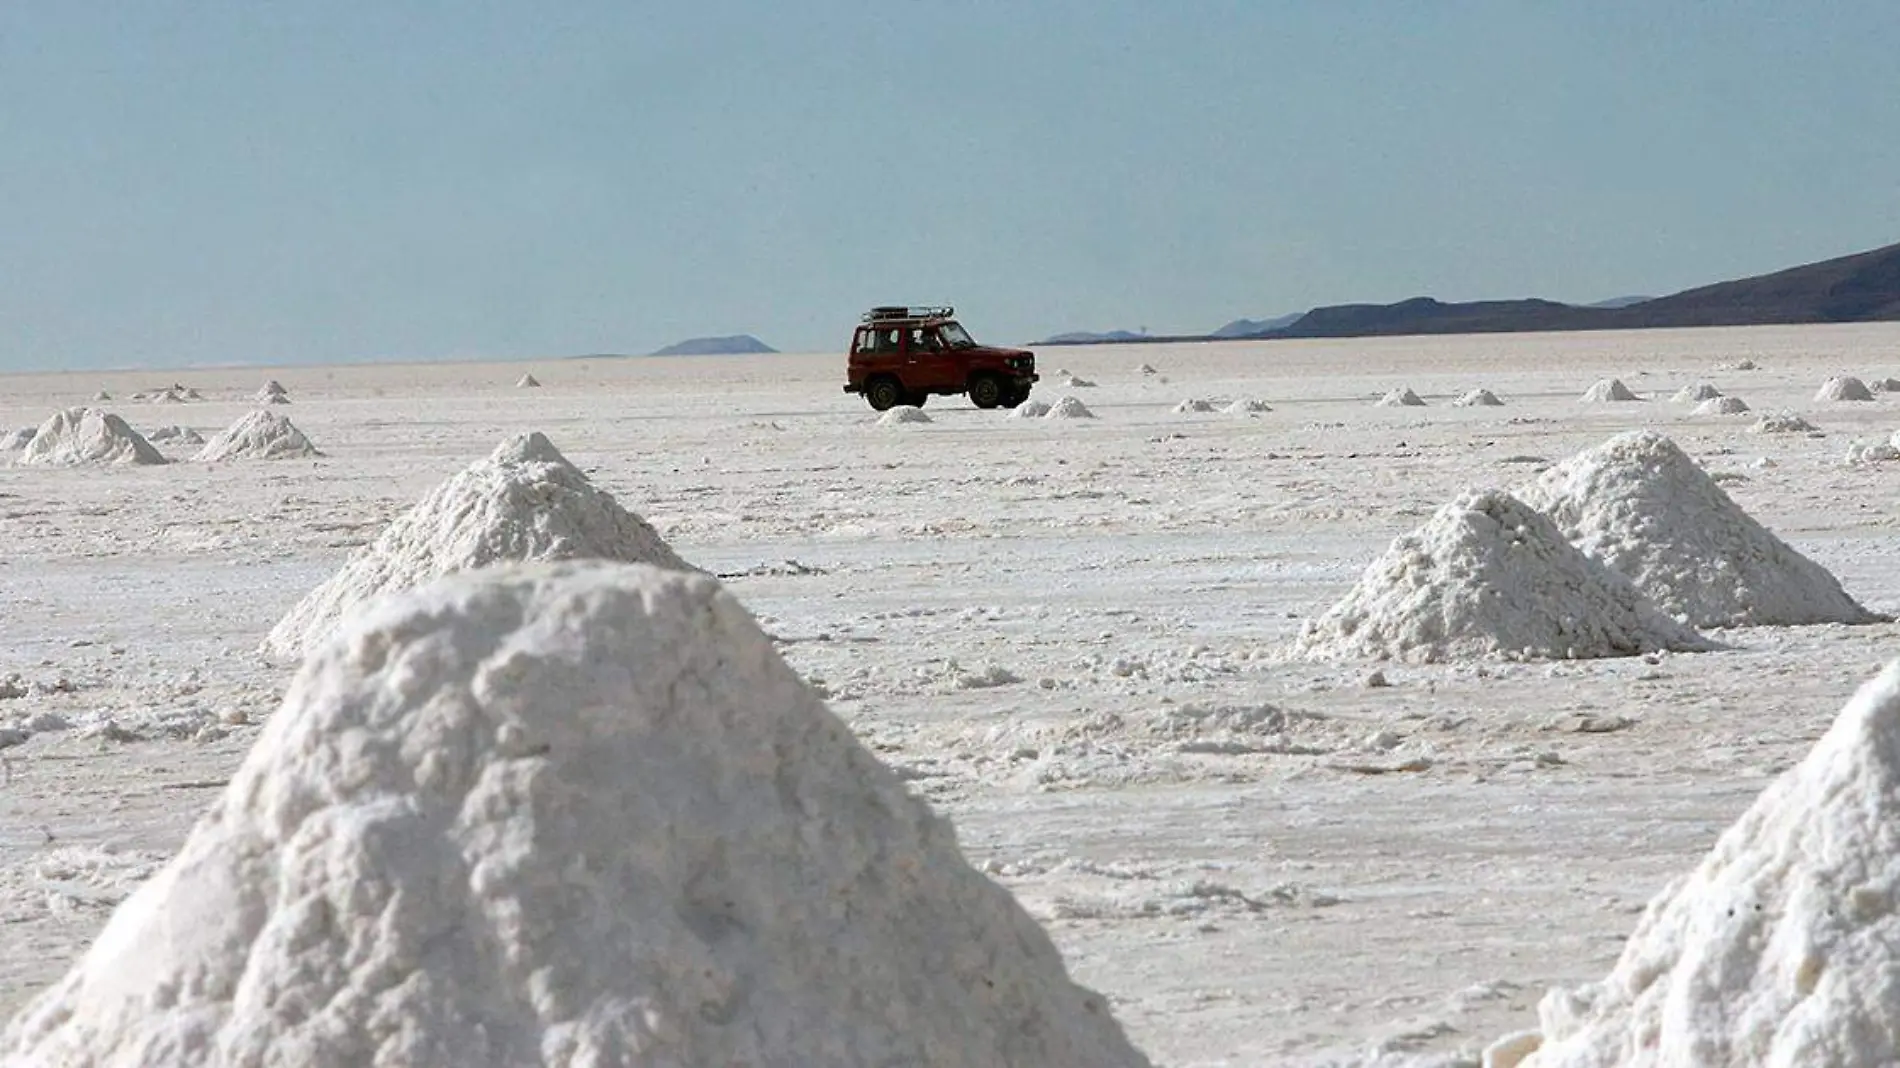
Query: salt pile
column 1608, row 389
column 571, row 814
column 1844, row 388
column 1069, row 408
column 102, row 395
column 88, row 436
column 13, row 440
column 1696, row 394
column 1477, row 398
column 1721, row 406
column 1034, row 409
column 1399, row 398
column 258, row 435
column 175, row 435
column 1781, row 947
column 1246, row 406
column 1885, row 385
column 1073, row 382
column 903, row 413
column 1783, row 423
column 1145, row 369
column 528, row 382
column 1193, row 405
column 273, row 392
column 1641, row 507
column 523, row 502
column 1875, row 452
column 1488, row 576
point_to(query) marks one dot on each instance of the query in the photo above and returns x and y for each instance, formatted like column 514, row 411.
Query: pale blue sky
column 295, row 182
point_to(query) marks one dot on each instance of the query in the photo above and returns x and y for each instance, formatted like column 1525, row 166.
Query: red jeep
column 903, row 355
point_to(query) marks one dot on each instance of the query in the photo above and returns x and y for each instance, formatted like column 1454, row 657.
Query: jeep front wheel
column 884, row 394
column 1015, row 397
column 986, row 391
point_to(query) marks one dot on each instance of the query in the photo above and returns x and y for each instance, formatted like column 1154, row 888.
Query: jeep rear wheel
column 987, row 391
column 884, row 393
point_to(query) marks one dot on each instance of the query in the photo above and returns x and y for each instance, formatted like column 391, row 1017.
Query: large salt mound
column 1034, row 409
column 1608, row 389
column 1844, row 388
column 1487, row 576
column 903, row 413
column 1477, row 398
column 523, row 502
column 1399, row 398
column 1068, row 408
column 1782, row 946
column 1640, row 506
column 1721, row 406
column 88, row 436
column 14, row 440
column 258, row 435
column 565, row 815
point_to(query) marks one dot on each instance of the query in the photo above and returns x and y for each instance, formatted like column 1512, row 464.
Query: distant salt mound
column 1721, row 406
column 1477, row 398
column 102, row 395
column 1068, row 408
column 903, row 413
column 175, row 435
column 273, row 392
column 527, row 382
column 1696, row 394
column 1608, row 390
column 258, row 435
column 1781, row 947
column 88, row 436
column 1246, row 406
column 1400, row 398
column 1783, row 423
column 1075, row 382
column 1884, row 385
column 1488, row 576
column 1640, row 506
column 1844, row 388
column 565, row 815
column 524, row 502
column 1034, row 409
column 1193, row 405
column 15, row 440
column 272, row 386
column 1741, row 365
column 1145, row 369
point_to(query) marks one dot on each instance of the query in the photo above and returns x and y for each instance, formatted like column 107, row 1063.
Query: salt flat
column 1063, row 633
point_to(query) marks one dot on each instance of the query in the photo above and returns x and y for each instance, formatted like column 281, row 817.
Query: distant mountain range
column 731, row 345
column 1864, row 287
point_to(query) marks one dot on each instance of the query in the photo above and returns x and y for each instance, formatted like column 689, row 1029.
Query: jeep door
column 928, row 365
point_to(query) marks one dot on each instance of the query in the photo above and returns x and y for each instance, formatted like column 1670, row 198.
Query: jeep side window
column 862, row 343
column 923, row 340
column 887, row 341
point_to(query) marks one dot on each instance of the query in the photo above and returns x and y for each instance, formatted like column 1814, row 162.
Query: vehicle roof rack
column 888, row 312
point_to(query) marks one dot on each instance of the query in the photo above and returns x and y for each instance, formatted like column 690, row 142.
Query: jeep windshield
column 954, row 336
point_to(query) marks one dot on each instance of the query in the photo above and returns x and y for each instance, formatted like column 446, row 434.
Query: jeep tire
column 884, row 393
column 1014, row 396
column 917, row 399
column 987, row 391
